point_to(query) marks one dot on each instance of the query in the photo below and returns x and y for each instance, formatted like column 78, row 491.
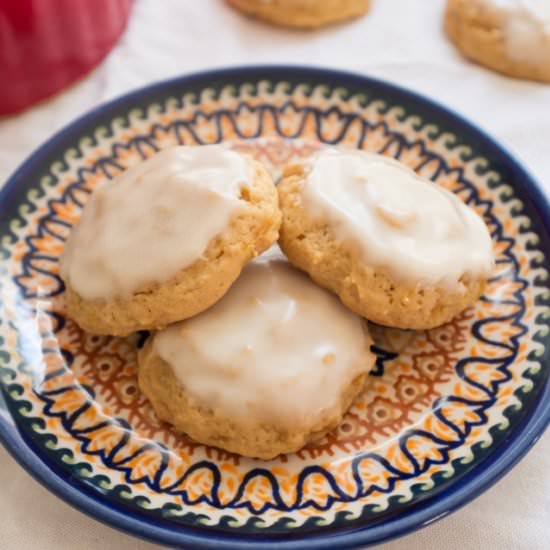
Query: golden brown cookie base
column 172, row 404
column 196, row 287
column 477, row 30
column 372, row 293
column 303, row 13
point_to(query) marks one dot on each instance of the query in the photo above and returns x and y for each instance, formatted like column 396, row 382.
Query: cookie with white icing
column 273, row 365
column 167, row 238
column 508, row 36
column 302, row 13
column 395, row 247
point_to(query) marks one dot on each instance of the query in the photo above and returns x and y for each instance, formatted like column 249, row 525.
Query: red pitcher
column 47, row 44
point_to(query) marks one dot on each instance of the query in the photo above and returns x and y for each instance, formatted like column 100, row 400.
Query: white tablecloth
column 400, row 40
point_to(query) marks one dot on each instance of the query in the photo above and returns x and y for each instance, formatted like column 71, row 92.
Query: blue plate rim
column 473, row 484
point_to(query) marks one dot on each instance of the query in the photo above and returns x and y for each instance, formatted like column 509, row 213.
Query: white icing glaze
column 276, row 348
column 526, row 29
column 399, row 221
column 155, row 219
column 537, row 9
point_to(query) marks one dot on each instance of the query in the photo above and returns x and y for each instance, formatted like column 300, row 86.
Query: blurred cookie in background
column 305, row 14
column 508, row 36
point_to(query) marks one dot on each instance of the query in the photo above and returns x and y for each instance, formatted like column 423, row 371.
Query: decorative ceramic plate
column 446, row 412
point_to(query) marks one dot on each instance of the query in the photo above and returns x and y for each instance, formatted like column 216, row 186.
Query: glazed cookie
column 395, row 247
column 302, row 13
column 166, row 239
column 273, row 365
column 509, row 36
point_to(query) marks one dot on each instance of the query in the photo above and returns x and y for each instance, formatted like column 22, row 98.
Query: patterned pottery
column 447, row 411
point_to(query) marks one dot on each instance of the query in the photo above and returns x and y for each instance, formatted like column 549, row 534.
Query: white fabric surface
column 400, row 40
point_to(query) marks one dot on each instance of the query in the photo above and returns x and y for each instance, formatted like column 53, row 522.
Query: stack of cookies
column 247, row 352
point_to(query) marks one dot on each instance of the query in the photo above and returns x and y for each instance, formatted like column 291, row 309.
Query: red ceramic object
column 47, row 44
